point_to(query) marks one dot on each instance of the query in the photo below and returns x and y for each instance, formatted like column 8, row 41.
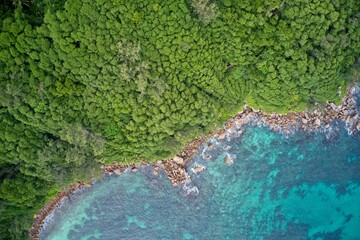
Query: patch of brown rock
column 174, row 169
column 117, row 168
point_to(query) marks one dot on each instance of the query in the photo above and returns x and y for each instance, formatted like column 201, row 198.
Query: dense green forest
column 88, row 82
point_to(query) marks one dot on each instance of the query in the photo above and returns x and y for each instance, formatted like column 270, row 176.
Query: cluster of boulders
column 175, row 170
column 175, row 167
column 308, row 121
column 117, row 168
column 50, row 206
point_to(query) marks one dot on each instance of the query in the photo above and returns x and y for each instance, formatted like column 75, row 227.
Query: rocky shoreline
column 175, row 168
column 50, row 206
column 320, row 118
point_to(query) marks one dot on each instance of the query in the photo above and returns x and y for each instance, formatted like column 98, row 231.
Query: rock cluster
column 175, row 167
column 307, row 121
column 175, row 170
column 117, row 168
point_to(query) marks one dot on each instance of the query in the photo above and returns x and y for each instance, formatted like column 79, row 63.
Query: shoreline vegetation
column 320, row 118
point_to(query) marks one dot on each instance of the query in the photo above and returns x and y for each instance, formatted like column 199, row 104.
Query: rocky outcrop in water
column 228, row 160
column 198, row 169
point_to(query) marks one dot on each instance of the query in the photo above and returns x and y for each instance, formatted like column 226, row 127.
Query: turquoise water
column 305, row 186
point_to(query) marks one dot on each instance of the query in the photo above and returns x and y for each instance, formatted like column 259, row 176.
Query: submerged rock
column 207, row 157
column 198, row 169
column 228, row 160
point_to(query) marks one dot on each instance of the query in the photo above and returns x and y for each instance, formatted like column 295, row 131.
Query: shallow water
column 305, row 186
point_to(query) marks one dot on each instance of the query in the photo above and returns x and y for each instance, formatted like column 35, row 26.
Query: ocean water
column 302, row 186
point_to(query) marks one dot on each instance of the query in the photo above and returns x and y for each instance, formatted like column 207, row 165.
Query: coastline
column 316, row 120
column 44, row 212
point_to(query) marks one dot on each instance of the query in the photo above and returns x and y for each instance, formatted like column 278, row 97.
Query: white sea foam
column 203, row 152
column 227, row 147
column 193, row 190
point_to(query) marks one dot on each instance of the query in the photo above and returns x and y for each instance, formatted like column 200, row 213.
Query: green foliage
column 90, row 82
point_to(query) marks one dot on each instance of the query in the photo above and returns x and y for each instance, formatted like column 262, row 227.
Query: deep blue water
column 305, row 186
